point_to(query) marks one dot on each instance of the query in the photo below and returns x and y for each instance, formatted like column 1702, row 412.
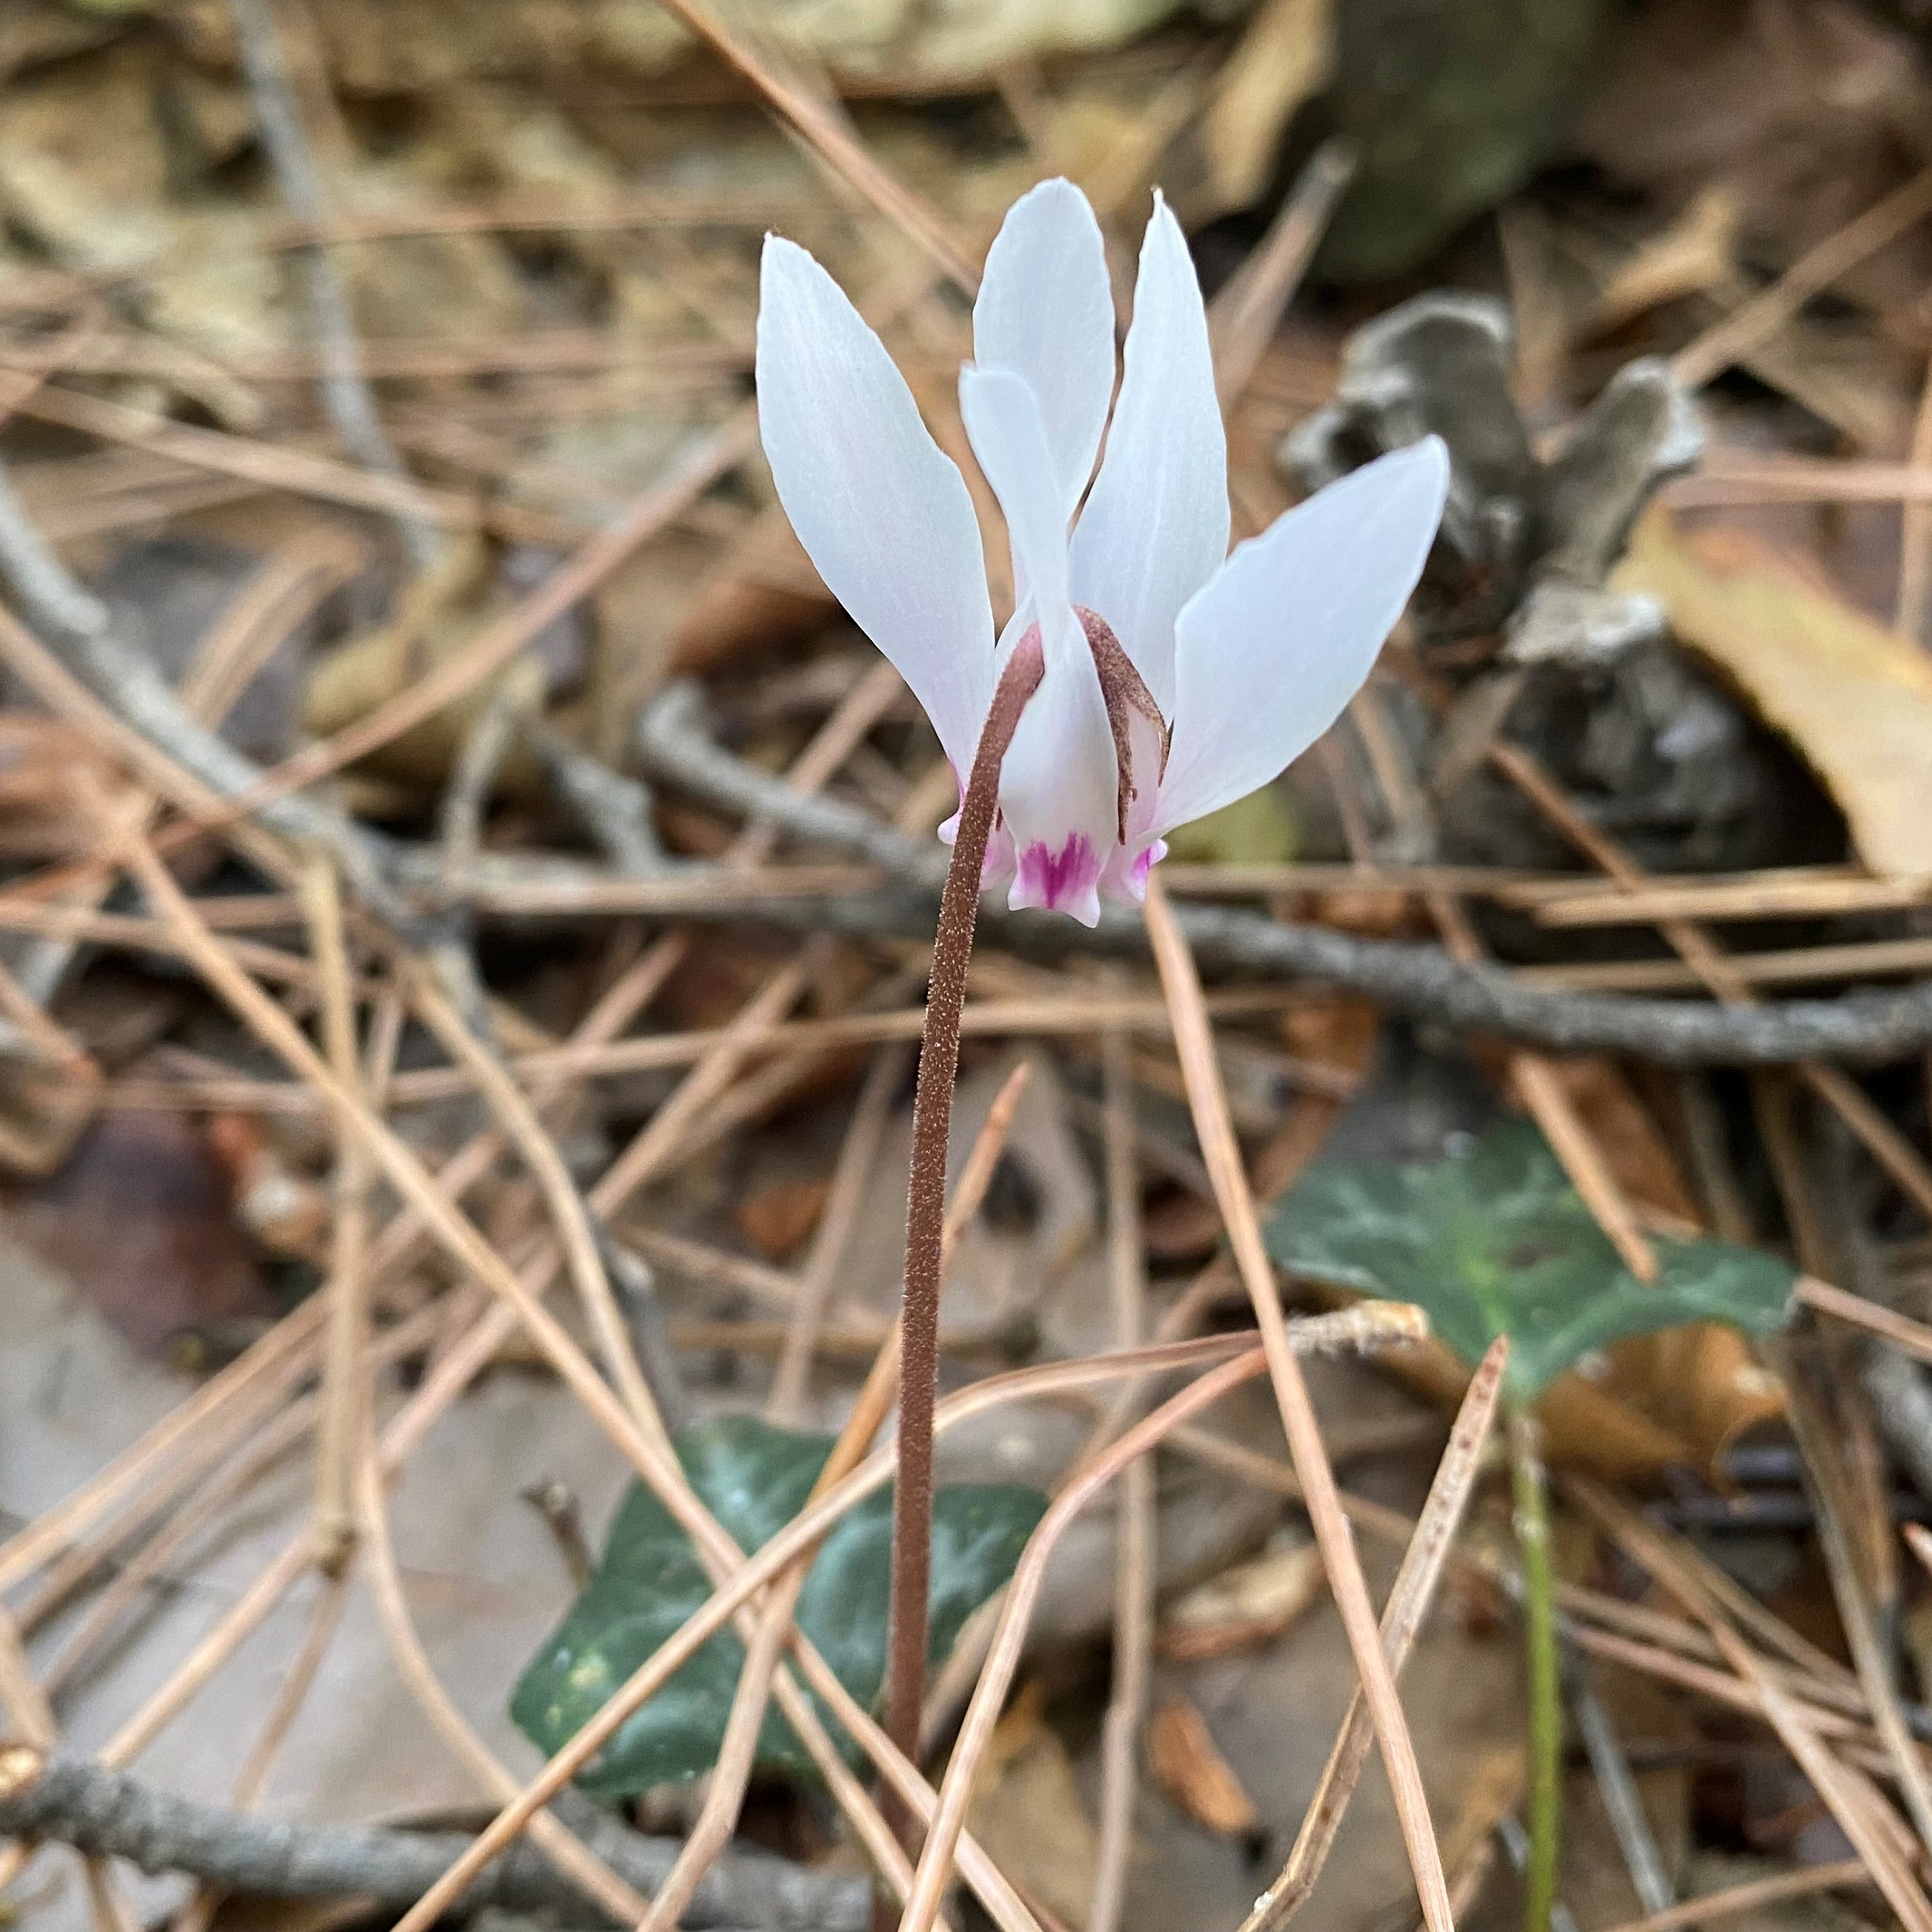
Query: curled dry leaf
column 1854, row 697
column 1192, row 1771
column 779, row 1220
column 1243, row 1606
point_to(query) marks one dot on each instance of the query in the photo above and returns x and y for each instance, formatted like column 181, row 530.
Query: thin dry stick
column 834, row 1233
column 1751, row 1896
column 347, row 1290
column 925, row 1218
column 497, row 643
column 583, row 1259
column 1408, row 1604
column 1860, row 1813
column 1716, row 968
column 346, row 394
column 199, row 1912
column 557, row 1842
column 257, row 1376
column 1741, row 331
column 660, row 1471
column 135, row 1573
column 1249, row 307
column 982, row 1713
column 1133, row 1565
column 31, row 1716
column 731, row 1774
column 1855, row 1615
column 1194, row 1040
column 821, row 129
column 826, row 750
column 1914, row 1338
column 802, row 1533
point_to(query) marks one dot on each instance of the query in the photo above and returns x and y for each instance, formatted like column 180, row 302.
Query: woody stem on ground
column 925, row 1215
column 1532, row 1498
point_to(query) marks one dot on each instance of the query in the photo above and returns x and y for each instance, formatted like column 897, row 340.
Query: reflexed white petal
column 1003, row 422
column 1155, row 529
column 1057, row 789
column 882, row 512
column 1046, row 311
column 1277, row 645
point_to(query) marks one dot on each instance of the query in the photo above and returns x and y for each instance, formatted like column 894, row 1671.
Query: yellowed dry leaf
column 1244, row 1605
column 1192, row 1771
column 1855, row 698
column 1027, row 1813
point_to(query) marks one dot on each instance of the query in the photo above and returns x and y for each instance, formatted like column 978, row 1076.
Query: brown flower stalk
column 925, row 1215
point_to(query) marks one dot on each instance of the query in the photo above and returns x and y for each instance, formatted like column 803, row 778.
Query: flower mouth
column 1126, row 697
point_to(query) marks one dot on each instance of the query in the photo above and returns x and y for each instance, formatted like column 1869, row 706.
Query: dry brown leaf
column 1027, row 1813
column 1244, row 1605
column 1192, row 1771
column 1855, row 698
column 139, row 1217
column 779, row 1220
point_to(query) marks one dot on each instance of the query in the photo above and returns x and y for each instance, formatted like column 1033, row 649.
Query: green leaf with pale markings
column 1495, row 1241
column 754, row 1479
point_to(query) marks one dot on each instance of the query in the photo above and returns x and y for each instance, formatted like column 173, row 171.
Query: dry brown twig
column 1194, row 1038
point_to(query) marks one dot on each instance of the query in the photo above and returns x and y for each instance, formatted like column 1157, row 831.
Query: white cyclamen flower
column 1178, row 678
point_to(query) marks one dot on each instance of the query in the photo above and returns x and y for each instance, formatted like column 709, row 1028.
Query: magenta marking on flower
column 1177, row 678
column 1056, row 880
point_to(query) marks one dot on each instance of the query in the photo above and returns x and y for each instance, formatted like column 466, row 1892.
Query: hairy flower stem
column 925, row 1214
column 1532, row 1495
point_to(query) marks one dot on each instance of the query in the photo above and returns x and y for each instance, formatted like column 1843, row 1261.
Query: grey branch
column 1423, row 982
column 614, row 810
column 75, row 1801
column 346, row 394
column 77, row 628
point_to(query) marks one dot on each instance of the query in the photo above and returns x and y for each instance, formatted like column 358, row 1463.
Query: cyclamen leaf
column 1495, row 1240
column 754, row 1479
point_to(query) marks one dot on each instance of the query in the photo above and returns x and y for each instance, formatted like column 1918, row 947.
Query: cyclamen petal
column 1155, row 526
column 882, row 512
column 1285, row 633
column 1046, row 312
column 1002, row 423
column 1246, row 658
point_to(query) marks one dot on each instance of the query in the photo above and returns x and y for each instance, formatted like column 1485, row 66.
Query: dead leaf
column 1245, row 1605
column 779, row 1220
column 139, row 1218
column 1027, row 1812
column 1192, row 1771
column 1855, row 698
